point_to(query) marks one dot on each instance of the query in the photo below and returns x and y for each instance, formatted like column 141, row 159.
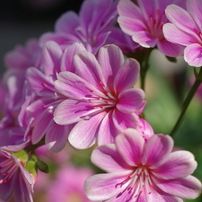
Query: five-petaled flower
column 142, row 171
column 101, row 99
column 185, row 29
column 144, row 23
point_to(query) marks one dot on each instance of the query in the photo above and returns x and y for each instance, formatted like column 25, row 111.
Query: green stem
column 187, row 101
column 144, row 68
column 35, row 146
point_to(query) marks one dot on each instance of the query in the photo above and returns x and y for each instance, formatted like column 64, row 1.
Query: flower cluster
column 76, row 86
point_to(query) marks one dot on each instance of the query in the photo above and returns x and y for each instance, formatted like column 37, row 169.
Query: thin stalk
column 144, row 68
column 187, row 101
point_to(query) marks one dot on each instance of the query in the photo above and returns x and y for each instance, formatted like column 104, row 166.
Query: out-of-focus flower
column 185, row 29
column 100, row 99
column 17, row 61
column 15, row 180
column 122, row 40
column 144, row 23
column 68, row 185
column 2, row 97
column 142, row 171
column 91, row 27
column 41, row 108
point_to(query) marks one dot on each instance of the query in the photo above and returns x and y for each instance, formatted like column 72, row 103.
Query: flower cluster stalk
column 187, row 101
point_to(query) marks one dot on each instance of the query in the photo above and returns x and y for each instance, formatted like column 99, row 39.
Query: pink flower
column 91, row 27
column 185, row 29
column 144, row 24
column 141, row 171
column 100, row 99
column 68, row 185
column 14, row 179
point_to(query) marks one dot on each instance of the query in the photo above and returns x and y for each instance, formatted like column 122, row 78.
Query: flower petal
column 145, row 39
column 193, row 55
column 107, row 131
column 130, row 146
column 130, row 100
column 84, row 133
column 178, row 164
column 170, row 49
column 194, row 8
column 73, row 86
column 40, row 83
column 110, row 58
column 160, row 196
column 123, row 121
column 71, row 111
column 67, row 23
column 187, row 188
column 50, row 61
column 175, row 35
column 157, row 149
column 103, row 186
column 56, row 137
column 182, row 20
column 68, row 55
column 148, row 8
column 40, row 125
column 130, row 26
column 88, row 68
column 108, row 159
column 128, row 9
column 127, row 76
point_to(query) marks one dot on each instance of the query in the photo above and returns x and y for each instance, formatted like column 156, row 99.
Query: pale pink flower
column 141, row 171
column 144, row 23
column 185, row 29
column 100, row 98
column 15, row 180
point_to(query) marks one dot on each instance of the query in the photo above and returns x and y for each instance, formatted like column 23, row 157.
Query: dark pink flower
column 141, row 171
column 144, row 23
column 15, row 180
column 185, row 29
column 100, row 98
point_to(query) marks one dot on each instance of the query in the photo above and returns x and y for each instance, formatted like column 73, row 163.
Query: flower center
column 104, row 100
column 136, row 183
column 155, row 24
column 99, row 100
column 7, row 169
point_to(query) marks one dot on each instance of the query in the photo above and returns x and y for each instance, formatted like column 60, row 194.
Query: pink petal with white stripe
column 130, row 146
column 84, row 133
column 157, row 150
column 130, row 100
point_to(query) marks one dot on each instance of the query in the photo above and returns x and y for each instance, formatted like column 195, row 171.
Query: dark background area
column 21, row 20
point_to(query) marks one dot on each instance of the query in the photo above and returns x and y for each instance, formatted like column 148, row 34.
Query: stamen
column 138, row 181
